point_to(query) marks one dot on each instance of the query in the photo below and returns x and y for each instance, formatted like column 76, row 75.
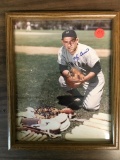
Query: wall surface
column 44, row 5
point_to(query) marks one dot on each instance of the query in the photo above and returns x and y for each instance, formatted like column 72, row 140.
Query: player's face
column 70, row 44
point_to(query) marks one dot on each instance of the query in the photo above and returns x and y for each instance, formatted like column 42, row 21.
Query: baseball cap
column 69, row 33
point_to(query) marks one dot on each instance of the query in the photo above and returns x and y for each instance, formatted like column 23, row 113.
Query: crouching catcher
column 80, row 68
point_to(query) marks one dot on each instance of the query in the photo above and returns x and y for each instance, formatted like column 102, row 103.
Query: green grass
column 37, row 82
column 53, row 38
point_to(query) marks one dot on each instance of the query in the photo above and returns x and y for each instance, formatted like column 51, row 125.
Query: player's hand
column 74, row 80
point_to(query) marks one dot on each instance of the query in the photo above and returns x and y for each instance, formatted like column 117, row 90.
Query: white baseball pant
column 92, row 91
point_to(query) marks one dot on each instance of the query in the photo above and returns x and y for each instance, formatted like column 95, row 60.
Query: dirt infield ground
column 30, row 50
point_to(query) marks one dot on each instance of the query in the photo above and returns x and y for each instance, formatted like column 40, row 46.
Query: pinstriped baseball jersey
column 85, row 57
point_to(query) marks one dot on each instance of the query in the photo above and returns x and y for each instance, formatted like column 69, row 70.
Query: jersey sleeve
column 96, row 68
column 61, row 57
column 91, row 57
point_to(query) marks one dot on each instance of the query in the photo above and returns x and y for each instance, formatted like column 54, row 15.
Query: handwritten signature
column 76, row 58
column 82, row 53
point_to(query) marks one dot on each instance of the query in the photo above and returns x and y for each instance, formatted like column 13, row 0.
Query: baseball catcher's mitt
column 74, row 77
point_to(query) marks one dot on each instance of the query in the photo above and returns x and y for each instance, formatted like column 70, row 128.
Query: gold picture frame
column 11, row 18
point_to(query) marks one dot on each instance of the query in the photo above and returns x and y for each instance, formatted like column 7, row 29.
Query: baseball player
column 85, row 59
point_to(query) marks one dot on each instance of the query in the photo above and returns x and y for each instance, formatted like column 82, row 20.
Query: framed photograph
column 63, row 80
